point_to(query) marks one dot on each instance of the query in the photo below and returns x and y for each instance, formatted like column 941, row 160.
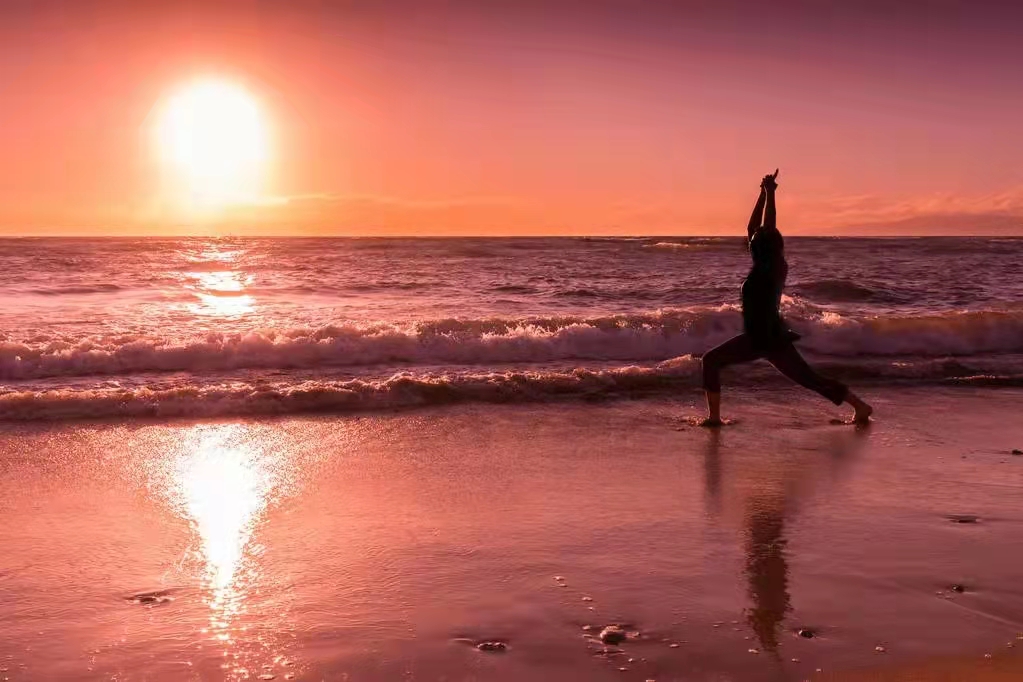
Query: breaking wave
column 248, row 395
column 481, row 342
column 356, row 395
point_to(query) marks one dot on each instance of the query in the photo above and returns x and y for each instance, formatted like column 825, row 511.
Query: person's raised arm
column 770, row 214
column 756, row 220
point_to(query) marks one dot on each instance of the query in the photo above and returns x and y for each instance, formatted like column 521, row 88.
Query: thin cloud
column 998, row 212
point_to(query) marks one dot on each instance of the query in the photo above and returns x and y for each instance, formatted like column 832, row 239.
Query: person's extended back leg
column 789, row 362
column 733, row 351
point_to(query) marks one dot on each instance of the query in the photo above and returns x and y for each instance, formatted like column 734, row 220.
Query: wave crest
column 357, row 395
column 481, row 342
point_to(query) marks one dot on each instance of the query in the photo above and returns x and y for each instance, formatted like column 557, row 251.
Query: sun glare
column 213, row 136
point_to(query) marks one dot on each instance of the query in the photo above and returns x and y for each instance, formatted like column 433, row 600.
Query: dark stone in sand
column 150, row 598
column 963, row 518
column 613, row 634
column 807, row 633
column 958, row 588
column 492, row 646
column 1017, row 451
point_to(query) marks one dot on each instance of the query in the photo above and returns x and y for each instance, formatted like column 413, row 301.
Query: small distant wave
column 380, row 286
column 701, row 244
column 668, row 245
column 845, row 291
column 515, row 289
column 72, row 290
column 481, row 342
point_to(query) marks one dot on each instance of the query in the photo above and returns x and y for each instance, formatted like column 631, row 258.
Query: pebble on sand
column 880, row 649
column 958, row 588
column 963, row 518
column 673, row 645
column 612, row 634
column 1017, row 451
column 154, row 598
column 807, row 633
column 587, row 598
column 492, row 646
column 754, row 651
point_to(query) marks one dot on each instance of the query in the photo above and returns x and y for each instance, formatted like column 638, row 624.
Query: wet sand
column 388, row 547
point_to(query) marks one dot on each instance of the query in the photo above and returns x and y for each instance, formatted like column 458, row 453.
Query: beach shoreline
column 390, row 545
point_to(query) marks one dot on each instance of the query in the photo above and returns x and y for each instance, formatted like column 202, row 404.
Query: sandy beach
column 389, row 547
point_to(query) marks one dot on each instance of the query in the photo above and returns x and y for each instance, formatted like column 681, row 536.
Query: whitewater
column 94, row 328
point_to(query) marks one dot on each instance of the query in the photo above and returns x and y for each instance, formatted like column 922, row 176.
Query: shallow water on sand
column 387, row 547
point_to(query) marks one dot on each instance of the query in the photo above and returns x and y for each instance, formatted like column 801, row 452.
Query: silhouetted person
column 765, row 334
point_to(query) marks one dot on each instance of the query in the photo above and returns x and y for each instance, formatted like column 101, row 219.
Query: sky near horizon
column 422, row 117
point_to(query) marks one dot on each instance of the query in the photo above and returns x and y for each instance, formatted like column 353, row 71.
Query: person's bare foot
column 862, row 410
column 862, row 413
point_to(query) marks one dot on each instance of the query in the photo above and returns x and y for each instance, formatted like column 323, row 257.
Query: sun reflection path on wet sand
column 223, row 484
column 223, row 480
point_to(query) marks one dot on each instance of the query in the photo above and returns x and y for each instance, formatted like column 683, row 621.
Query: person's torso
column 766, row 279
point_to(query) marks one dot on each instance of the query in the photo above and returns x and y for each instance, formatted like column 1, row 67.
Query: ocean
column 195, row 327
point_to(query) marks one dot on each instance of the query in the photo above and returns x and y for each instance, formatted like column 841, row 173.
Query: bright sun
column 212, row 134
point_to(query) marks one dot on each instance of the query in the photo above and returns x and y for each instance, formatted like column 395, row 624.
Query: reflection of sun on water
column 223, row 487
column 212, row 276
column 221, row 293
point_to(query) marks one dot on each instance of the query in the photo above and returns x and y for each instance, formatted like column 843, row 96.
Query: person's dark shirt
column 762, row 289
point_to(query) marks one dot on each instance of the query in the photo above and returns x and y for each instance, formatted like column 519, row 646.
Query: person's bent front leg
column 735, row 350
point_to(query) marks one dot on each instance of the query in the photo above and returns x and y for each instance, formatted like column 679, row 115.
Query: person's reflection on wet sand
column 766, row 509
column 767, row 569
column 712, row 474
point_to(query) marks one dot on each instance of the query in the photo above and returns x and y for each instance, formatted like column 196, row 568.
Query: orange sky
column 597, row 117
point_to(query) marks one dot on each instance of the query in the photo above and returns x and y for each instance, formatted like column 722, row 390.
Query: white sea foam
column 636, row 338
column 250, row 395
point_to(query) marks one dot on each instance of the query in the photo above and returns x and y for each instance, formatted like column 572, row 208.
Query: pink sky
column 596, row 117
